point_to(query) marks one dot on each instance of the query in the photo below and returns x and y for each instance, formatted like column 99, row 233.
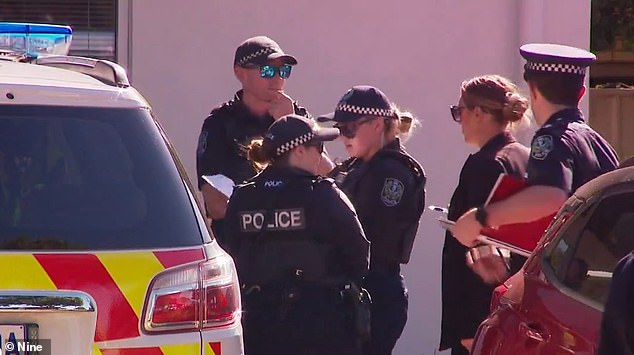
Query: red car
column 555, row 303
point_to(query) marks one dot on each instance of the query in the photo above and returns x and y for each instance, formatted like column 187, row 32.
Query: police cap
column 556, row 58
column 291, row 131
column 259, row 50
column 358, row 102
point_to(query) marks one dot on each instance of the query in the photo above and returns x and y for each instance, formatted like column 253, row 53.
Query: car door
column 567, row 287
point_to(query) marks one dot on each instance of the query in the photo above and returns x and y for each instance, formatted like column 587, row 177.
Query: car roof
column 35, row 84
column 618, row 176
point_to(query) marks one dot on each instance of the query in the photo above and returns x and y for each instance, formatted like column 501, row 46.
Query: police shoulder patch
column 392, row 192
column 541, row 146
column 202, row 142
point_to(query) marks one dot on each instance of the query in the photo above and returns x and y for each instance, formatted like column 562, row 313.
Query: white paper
column 220, row 183
column 448, row 225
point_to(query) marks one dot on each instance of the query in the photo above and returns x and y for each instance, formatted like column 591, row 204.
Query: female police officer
column 387, row 188
column 486, row 107
column 298, row 245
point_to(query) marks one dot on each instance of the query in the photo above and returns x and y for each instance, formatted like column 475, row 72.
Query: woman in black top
column 487, row 106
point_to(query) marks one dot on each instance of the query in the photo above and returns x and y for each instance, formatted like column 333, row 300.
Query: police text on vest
column 284, row 219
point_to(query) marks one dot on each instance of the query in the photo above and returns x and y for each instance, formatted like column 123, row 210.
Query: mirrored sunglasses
column 268, row 71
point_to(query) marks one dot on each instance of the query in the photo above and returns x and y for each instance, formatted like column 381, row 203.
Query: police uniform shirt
column 566, row 153
column 224, row 136
column 465, row 296
column 617, row 326
column 321, row 213
column 388, row 196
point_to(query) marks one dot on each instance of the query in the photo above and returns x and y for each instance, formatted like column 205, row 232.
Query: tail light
column 193, row 297
column 498, row 292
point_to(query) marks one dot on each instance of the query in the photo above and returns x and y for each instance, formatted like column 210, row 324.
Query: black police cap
column 291, row 131
column 259, row 50
column 358, row 102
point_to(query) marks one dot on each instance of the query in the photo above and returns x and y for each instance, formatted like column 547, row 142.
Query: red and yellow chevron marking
column 117, row 281
column 181, row 349
column 212, row 349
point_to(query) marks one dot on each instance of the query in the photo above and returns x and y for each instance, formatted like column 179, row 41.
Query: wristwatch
column 481, row 216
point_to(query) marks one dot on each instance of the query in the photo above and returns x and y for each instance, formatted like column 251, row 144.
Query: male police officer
column 299, row 249
column 565, row 152
column 262, row 68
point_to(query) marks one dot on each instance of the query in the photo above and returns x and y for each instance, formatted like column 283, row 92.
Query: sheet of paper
column 447, row 224
column 220, row 183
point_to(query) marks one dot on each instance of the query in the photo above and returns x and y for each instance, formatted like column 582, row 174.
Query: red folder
column 521, row 236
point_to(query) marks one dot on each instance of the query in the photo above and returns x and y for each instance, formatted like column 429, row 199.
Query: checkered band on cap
column 295, row 142
column 555, row 68
column 246, row 59
column 370, row 111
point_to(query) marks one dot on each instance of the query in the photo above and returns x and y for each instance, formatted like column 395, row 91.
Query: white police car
column 103, row 247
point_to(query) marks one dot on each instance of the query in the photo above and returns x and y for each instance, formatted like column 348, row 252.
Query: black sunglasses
column 456, row 111
column 318, row 144
column 349, row 129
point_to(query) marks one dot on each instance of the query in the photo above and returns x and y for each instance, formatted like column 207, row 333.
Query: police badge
column 392, row 192
column 541, row 146
column 202, row 143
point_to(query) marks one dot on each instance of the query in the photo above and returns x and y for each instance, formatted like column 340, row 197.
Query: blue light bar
column 34, row 39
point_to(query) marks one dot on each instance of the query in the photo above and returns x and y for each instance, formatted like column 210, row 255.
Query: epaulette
column 406, row 159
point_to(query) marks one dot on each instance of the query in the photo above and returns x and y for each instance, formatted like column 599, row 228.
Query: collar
column 284, row 171
column 267, row 120
column 571, row 114
column 498, row 141
column 393, row 145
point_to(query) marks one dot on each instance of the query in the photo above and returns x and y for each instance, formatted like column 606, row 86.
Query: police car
column 103, row 246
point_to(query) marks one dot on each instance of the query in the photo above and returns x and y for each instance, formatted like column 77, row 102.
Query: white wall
column 417, row 51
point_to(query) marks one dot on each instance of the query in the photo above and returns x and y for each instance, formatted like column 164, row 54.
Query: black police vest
column 278, row 243
column 347, row 182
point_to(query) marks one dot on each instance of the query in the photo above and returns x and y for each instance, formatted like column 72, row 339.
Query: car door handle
column 532, row 331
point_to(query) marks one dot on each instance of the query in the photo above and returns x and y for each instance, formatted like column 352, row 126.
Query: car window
column 587, row 252
column 89, row 178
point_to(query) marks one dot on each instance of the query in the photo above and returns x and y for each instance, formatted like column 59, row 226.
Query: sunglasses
column 319, row 145
column 456, row 111
column 268, row 71
column 349, row 129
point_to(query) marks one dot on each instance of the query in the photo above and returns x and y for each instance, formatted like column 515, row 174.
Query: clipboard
column 521, row 236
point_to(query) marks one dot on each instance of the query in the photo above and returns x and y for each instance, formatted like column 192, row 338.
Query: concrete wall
column 180, row 54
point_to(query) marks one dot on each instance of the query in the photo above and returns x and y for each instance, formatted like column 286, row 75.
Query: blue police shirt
column 224, row 136
column 566, row 153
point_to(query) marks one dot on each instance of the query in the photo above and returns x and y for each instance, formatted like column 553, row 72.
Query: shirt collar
column 266, row 120
column 498, row 141
column 570, row 114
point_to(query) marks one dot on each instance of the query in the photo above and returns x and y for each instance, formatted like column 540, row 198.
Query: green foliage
column 611, row 21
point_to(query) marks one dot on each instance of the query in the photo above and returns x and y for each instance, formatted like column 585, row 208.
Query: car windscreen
column 89, row 178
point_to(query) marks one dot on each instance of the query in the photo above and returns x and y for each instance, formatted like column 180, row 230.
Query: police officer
column 299, row 248
column 487, row 106
column 387, row 187
column 565, row 152
column 617, row 325
column 262, row 68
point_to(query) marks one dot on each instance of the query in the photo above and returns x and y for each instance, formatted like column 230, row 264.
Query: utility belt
column 284, row 297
